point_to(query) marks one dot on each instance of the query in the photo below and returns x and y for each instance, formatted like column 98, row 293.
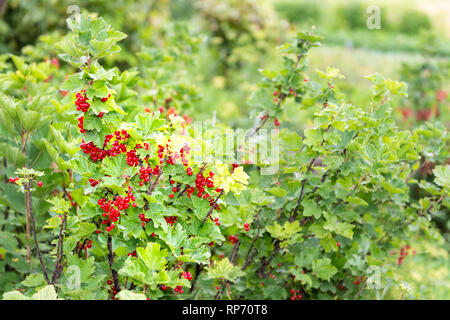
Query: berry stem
column 212, row 207
column 27, row 187
column 111, row 261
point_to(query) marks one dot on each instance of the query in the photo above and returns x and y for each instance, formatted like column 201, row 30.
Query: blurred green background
column 236, row 38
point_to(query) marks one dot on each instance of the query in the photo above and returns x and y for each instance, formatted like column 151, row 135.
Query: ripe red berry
column 276, row 122
column 40, row 183
column 189, row 171
column 171, row 196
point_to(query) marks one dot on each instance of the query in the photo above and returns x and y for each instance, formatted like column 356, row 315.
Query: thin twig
column 300, row 197
column 250, row 255
column 360, row 290
column 212, row 207
column 111, row 261
column 198, row 269
column 60, row 252
column 266, row 116
column 33, row 226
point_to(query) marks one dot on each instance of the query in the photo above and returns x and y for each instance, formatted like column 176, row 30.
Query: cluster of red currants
column 187, row 275
column 171, row 220
column 295, row 295
column 132, row 159
column 276, row 122
column 88, row 245
column 106, row 98
column 233, row 239
column 246, row 226
column 73, row 203
column 113, row 290
column 93, row 182
column 144, row 174
column 13, row 180
column 143, row 219
column 178, row 289
column 81, row 124
column 81, row 103
column 403, row 253
column 120, row 203
column 117, row 147
column 132, row 254
column 358, row 280
column 99, row 154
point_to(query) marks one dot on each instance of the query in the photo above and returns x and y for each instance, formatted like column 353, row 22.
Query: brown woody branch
column 111, row 261
column 27, row 187
column 250, row 254
column 212, row 207
column 59, row 253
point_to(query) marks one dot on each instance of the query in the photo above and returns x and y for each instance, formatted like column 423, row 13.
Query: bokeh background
column 228, row 41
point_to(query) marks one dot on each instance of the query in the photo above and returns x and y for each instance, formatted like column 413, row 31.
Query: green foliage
column 304, row 11
column 352, row 15
column 412, row 21
column 114, row 217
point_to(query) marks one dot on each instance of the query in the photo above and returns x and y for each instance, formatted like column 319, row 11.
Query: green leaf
column 114, row 166
column 311, row 209
column 442, row 174
column 59, row 205
column 92, row 123
column 34, row 280
column 290, row 140
column 303, row 278
column 323, row 268
column 328, row 244
column 84, row 229
column 312, row 137
column 15, row 295
column 135, row 269
column 148, row 122
column 224, row 269
column 290, row 231
column 279, row 192
column 357, row 201
column 74, row 83
column 46, row 293
column 130, row 295
column 152, row 256
column 98, row 89
column 12, row 154
column 345, row 229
